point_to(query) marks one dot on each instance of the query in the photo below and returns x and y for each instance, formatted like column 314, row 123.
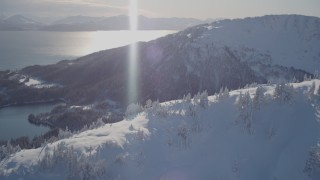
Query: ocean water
column 14, row 121
column 19, row 49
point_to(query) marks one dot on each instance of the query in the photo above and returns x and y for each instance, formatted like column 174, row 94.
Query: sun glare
column 133, row 14
column 133, row 54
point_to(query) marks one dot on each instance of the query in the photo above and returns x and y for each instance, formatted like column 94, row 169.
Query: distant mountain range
column 18, row 22
column 86, row 23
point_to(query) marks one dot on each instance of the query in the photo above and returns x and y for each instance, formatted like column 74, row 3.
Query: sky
column 200, row 9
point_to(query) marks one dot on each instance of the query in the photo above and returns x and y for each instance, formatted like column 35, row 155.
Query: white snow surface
column 32, row 82
column 216, row 144
column 39, row 84
column 36, row 83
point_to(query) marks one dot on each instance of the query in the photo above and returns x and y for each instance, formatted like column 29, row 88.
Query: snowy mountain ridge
column 290, row 40
column 263, row 132
column 195, row 59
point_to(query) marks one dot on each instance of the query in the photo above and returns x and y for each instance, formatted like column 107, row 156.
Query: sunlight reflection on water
column 112, row 39
column 19, row 49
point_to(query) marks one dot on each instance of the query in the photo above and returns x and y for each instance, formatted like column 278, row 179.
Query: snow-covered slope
column 289, row 40
column 264, row 138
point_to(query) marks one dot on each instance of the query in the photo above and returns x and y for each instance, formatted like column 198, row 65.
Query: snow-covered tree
column 306, row 77
column 196, row 98
column 191, row 111
column 203, row 99
column 258, row 98
column 2, row 152
column 159, row 110
column 64, row 133
column 294, row 80
column 187, row 98
column 283, row 92
column 226, row 93
column 311, row 91
column 316, row 74
column 155, row 104
column 97, row 124
column 100, row 122
column 162, row 111
column 245, row 107
column 220, row 94
column 7, row 150
column 148, row 104
column 46, row 162
column 76, row 166
column 133, row 109
column 183, row 134
column 313, row 163
column 223, row 94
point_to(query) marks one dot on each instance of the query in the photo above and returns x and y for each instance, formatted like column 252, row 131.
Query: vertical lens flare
column 133, row 74
column 133, row 54
column 133, row 15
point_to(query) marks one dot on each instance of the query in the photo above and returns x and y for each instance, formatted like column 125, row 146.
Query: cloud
column 61, row 7
column 95, row 3
column 160, row 8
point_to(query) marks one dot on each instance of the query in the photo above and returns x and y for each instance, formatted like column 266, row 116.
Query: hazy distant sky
column 161, row 8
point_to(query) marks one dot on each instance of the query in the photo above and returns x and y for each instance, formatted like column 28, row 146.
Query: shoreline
column 33, row 103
